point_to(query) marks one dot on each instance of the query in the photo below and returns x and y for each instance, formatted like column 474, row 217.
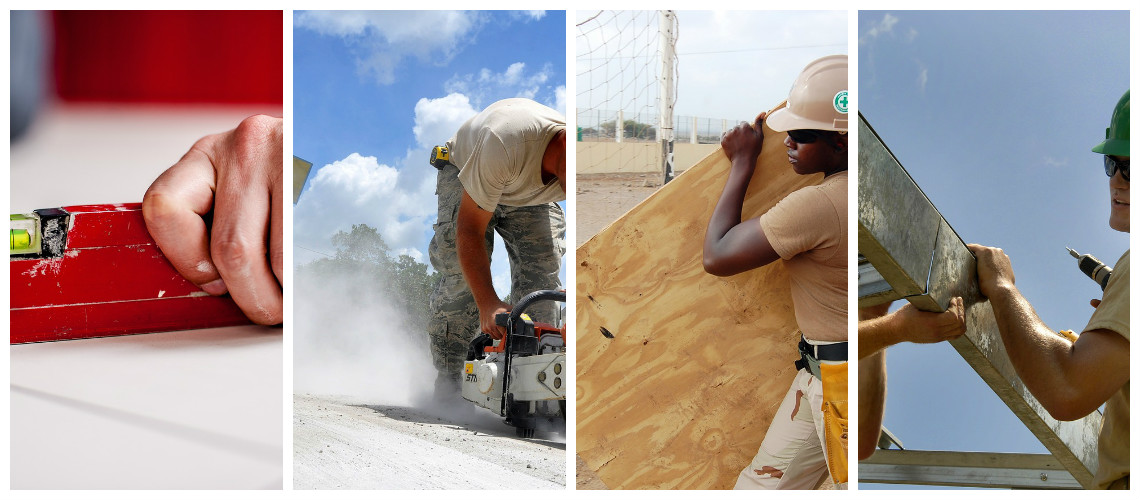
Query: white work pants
column 792, row 455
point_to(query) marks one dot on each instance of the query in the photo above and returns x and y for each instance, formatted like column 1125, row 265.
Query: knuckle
column 236, row 254
column 159, row 207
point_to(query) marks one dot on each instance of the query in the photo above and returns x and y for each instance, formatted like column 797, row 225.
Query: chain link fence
column 599, row 125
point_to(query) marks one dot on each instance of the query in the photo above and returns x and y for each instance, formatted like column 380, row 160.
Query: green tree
column 631, row 129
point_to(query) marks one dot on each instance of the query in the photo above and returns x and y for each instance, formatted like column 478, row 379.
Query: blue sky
column 994, row 114
column 374, row 91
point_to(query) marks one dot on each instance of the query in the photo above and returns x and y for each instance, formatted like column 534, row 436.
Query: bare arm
column 731, row 246
column 878, row 330
column 1069, row 379
column 471, row 228
column 872, row 401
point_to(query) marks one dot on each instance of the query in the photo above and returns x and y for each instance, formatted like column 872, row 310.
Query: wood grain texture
column 682, row 394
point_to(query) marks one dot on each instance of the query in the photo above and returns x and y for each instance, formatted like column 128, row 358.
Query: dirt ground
column 339, row 443
column 602, row 199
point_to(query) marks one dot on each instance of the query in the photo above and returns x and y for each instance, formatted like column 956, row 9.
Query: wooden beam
column 680, row 372
column 966, row 469
column 899, row 231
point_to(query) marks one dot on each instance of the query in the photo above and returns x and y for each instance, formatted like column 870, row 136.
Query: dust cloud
column 350, row 339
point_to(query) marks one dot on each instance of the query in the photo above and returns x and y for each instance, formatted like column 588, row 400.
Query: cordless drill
column 1092, row 267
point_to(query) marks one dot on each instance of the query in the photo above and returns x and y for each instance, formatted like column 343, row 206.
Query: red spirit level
column 94, row 271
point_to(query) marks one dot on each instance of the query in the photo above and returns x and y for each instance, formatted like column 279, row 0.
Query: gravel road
column 342, row 443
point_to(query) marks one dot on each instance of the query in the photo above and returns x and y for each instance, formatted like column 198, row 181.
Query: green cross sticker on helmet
column 840, row 101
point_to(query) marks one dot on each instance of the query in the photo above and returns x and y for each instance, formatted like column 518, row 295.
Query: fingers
column 243, row 219
column 956, row 317
column 487, row 320
column 173, row 207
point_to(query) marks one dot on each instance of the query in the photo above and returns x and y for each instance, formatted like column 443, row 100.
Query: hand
column 237, row 176
column 744, row 142
column 923, row 327
column 994, row 268
column 487, row 319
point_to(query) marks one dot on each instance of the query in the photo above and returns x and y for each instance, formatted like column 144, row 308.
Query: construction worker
column 1073, row 379
column 808, row 229
column 878, row 331
column 505, row 172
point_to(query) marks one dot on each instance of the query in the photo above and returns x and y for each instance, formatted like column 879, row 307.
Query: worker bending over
column 506, row 170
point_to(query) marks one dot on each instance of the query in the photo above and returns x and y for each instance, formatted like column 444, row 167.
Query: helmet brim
column 1112, row 147
column 783, row 120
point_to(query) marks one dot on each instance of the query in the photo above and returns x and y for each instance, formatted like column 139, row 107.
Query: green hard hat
column 1116, row 135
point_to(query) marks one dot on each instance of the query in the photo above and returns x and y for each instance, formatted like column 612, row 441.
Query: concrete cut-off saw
column 523, row 376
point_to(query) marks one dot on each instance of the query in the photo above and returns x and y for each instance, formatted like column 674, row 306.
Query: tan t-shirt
column 1112, row 314
column 808, row 229
column 499, row 154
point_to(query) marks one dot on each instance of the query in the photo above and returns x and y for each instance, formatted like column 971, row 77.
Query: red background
column 169, row 56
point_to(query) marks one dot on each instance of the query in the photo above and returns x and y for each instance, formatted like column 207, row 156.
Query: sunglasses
column 1111, row 165
column 806, row 136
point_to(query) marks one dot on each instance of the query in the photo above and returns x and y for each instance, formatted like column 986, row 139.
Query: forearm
column 1039, row 356
column 726, row 215
column 872, row 401
column 875, row 334
column 476, row 265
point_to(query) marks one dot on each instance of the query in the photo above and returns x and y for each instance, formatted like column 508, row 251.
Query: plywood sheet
column 681, row 395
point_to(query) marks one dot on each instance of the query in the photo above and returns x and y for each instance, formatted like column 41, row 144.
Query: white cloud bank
column 382, row 39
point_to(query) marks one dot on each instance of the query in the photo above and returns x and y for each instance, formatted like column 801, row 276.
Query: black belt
column 811, row 355
column 829, row 352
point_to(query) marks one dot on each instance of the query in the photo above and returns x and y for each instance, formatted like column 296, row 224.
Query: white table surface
column 191, row 409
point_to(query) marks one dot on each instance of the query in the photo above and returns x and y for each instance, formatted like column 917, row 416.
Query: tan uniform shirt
column 499, row 154
column 808, row 229
column 1112, row 314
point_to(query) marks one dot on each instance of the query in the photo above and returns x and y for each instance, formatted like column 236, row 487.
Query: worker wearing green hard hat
column 1074, row 378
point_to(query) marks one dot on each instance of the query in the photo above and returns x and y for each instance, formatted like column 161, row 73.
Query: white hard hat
column 818, row 99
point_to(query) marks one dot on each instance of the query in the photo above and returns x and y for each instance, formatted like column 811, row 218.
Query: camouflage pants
column 535, row 241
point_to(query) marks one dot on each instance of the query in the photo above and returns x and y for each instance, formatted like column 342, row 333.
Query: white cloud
column 529, row 15
column 887, row 25
column 359, row 190
column 1054, row 162
column 487, row 86
column 438, row 119
column 380, row 40
column 559, row 103
column 923, row 77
